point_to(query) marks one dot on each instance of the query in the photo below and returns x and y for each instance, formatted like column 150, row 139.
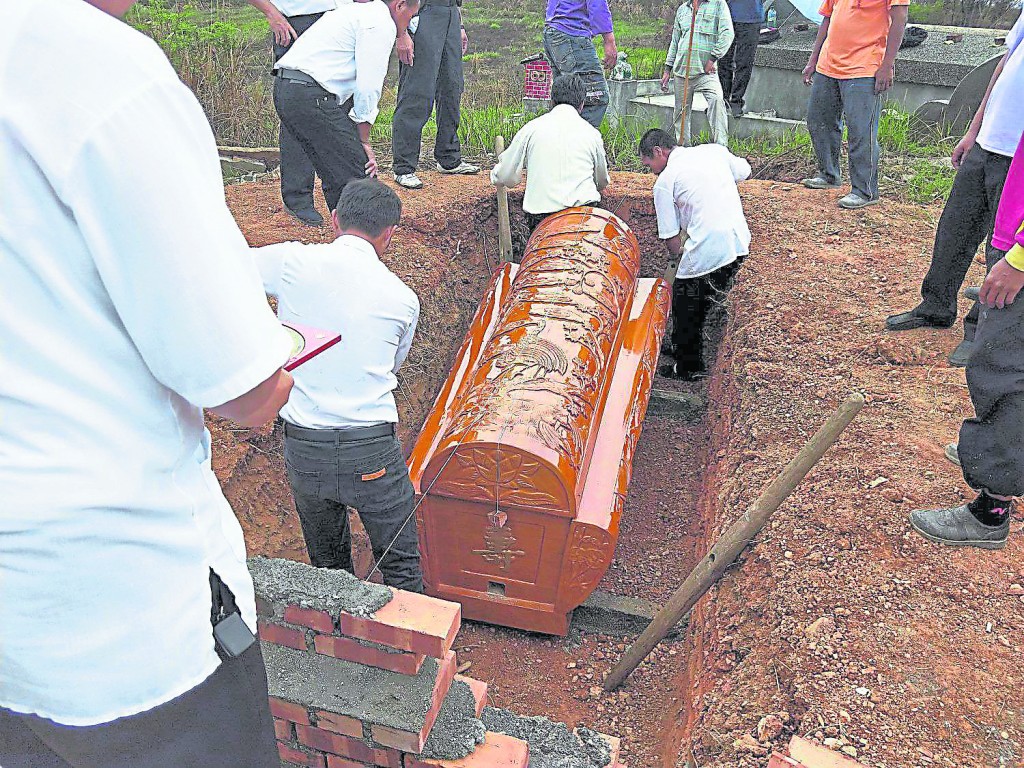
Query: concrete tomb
column 523, row 463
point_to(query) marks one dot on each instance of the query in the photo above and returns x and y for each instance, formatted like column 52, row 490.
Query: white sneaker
column 408, row 180
column 463, row 168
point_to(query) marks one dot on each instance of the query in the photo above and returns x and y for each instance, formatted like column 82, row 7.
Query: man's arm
column 739, row 166
column 965, row 144
column 812, row 62
column 405, row 343
column 601, row 24
column 284, row 34
column 673, row 48
column 601, row 177
column 508, row 171
column 887, row 71
column 372, row 53
column 269, row 261
column 260, row 404
column 723, row 39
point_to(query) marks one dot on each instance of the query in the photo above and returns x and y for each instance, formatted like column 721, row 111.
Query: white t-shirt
column 305, row 7
column 347, row 51
column 342, row 287
column 564, row 159
column 130, row 301
column 1003, row 121
column 696, row 195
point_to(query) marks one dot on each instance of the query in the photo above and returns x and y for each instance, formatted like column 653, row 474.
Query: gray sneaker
column 854, row 201
column 952, row 453
column 408, row 180
column 957, row 527
column 958, row 357
column 462, row 168
column 820, row 182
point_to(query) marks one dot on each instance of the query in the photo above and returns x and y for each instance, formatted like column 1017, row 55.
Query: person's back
column 129, row 303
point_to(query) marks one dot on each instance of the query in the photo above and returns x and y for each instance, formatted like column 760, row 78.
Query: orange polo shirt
column 857, row 32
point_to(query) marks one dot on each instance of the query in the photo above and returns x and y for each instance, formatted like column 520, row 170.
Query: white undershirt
column 564, row 159
column 347, row 51
column 696, row 196
column 1003, row 122
column 344, row 288
column 130, row 301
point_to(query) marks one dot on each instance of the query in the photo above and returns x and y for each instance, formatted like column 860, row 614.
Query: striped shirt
column 712, row 37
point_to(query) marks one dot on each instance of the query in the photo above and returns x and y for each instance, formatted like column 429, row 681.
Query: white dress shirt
column 564, row 159
column 344, row 288
column 305, row 7
column 696, row 195
column 347, row 51
column 130, row 301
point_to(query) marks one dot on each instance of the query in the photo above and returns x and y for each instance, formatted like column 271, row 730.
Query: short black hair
column 568, row 89
column 368, row 206
column 656, row 138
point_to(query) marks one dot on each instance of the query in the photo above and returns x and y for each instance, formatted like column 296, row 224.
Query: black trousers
column 991, row 444
column 327, row 473
column 735, row 67
column 692, row 298
column 326, row 132
column 966, row 222
column 225, row 721
column 434, row 80
column 296, row 168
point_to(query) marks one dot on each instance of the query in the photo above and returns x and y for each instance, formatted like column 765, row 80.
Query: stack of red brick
column 411, row 636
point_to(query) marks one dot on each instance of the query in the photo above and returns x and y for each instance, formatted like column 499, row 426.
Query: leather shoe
column 908, row 321
column 308, row 216
column 972, row 292
column 670, row 371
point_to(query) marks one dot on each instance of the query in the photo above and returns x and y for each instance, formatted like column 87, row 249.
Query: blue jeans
column 570, row 53
column 855, row 100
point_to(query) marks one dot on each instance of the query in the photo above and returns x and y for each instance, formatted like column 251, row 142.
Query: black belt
column 442, row 2
column 295, row 76
column 340, row 435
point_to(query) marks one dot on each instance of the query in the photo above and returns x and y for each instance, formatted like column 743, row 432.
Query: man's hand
column 710, row 67
column 465, row 41
column 611, row 53
column 1001, row 286
column 963, row 147
column 371, row 162
column 404, row 46
column 884, row 76
column 260, row 404
column 808, row 72
column 284, row 34
column 664, row 81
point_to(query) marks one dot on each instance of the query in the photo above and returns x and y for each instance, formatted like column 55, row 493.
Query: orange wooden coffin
column 525, row 458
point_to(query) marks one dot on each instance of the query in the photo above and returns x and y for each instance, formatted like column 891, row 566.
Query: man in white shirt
column 340, row 444
column 700, row 218
column 288, row 19
column 328, row 87
column 982, row 159
column 113, row 529
column 562, row 153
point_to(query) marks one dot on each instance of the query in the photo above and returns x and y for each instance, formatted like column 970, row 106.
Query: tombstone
column 537, row 79
column 523, row 463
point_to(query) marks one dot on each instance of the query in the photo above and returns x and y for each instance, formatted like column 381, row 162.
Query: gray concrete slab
column 456, row 731
column 552, row 744
column 606, row 614
column 375, row 696
column 283, row 582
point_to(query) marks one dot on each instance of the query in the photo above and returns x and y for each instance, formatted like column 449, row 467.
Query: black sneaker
column 958, row 527
column 308, row 216
column 908, row 321
column 972, row 292
column 958, row 357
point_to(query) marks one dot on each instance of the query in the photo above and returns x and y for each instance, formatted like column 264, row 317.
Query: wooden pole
column 504, row 225
column 710, row 569
column 685, row 111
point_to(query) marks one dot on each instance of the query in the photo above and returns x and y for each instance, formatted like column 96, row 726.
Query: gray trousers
column 966, row 222
column 297, row 174
column 854, row 100
column 991, row 445
column 328, row 473
column 710, row 87
column 434, row 81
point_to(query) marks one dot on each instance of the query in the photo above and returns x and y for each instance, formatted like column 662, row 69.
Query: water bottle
column 773, row 17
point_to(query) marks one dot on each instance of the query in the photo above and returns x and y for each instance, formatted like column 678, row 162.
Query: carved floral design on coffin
column 484, row 473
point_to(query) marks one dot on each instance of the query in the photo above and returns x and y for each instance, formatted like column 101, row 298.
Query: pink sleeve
column 1010, row 214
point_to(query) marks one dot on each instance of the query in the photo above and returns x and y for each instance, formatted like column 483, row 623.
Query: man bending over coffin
column 340, row 446
column 700, row 218
column 562, row 153
column 328, row 87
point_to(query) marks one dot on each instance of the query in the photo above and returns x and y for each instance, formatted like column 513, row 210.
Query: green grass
column 481, row 56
